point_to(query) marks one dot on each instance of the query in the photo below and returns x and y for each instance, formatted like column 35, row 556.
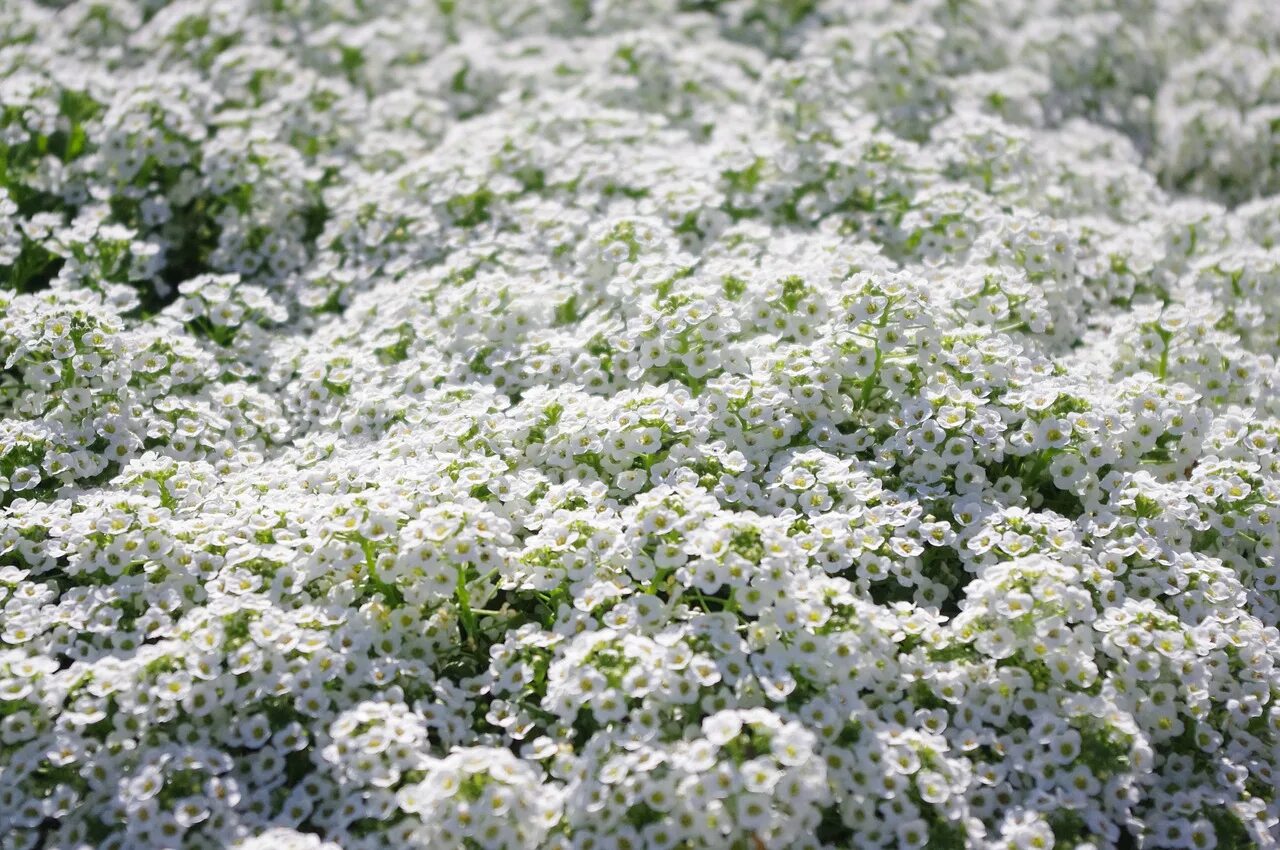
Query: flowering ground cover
column 624, row 424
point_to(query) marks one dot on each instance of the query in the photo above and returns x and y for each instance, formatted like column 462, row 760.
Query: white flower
column 533, row 424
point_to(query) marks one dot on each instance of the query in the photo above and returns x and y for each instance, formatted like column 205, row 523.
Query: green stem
column 389, row 591
column 872, row 380
column 1163, row 368
column 466, row 615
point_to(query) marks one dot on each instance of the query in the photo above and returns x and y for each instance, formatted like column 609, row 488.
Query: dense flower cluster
column 619, row 424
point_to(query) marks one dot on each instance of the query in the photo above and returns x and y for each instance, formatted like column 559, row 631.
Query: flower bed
column 744, row 425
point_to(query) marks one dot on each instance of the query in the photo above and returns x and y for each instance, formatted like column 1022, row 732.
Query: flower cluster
column 673, row 424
